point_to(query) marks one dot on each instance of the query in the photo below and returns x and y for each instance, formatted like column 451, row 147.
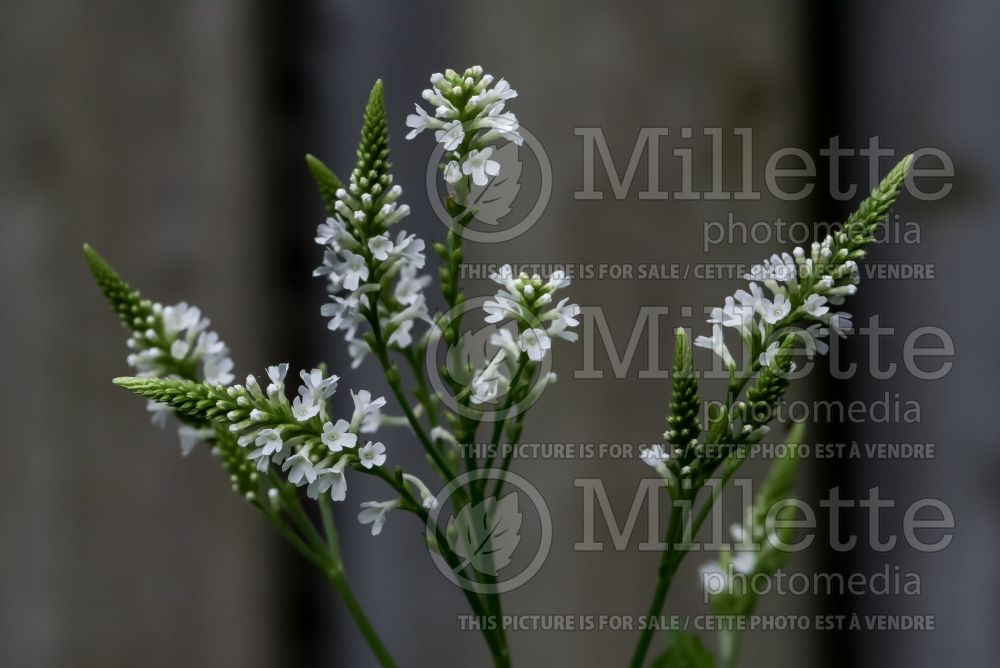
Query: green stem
column 497, row 648
column 729, row 646
column 665, row 575
column 336, row 576
column 392, row 375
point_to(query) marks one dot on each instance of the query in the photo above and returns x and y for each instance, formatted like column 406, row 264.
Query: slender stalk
column 392, row 375
column 334, row 572
column 730, row 640
column 665, row 575
column 336, row 576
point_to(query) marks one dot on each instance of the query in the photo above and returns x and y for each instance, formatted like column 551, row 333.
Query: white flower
column 713, row 578
column 501, row 307
column 401, row 337
column 450, row 135
column 380, row 246
column 315, row 386
column 217, row 370
column 357, row 349
column 654, row 455
column 535, row 342
column 815, row 305
column 192, row 436
column 158, row 413
column 302, row 469
column 374, row 512
column 409, row 288
column 410, row 248
column 813, row 338
column 490, row 383
column 372, row 454
column 558, row 280
column 338, row 436
column 753, row 298
column 479, row 166
column 276, row 374
column 330, row 232
column 452, row 172
column 419, row 122
column 269, row 441
column 840, row 323
column 768, row 355
column 774, row 311
column 717, row 345
column 304, row 408
column 732, row 314
column 330, row 479
column 343, row 312
column 364, row 407
column 353, row 270
column 427, row 499
column 563, row 317
column 179, row 349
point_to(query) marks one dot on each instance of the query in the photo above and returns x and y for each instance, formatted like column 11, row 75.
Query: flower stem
column 665, row 575
column 335, row 574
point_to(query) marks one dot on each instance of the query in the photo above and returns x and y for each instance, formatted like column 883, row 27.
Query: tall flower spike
column 326, row 182
column 271, row 429
column 133, row 311
column 684, row 427
column 468, row 115
column 377, row 269
column 371, row 175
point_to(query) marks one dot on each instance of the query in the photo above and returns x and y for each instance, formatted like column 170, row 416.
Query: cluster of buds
column 468, row 115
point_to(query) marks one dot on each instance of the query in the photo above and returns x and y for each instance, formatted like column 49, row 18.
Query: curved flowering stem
column 270, row 445
column 174, row 343
column 803, row 289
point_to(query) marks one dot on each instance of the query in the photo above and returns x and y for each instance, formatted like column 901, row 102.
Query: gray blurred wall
column 170, row 137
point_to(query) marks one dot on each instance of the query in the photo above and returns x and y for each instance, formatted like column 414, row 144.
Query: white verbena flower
column 330, row 480
column 372, row 454
column 300, row 468
column 535, row 342
column 374, row 512
column 479, row 166
column 717, row 344
column 338, row 436
column 654, row 455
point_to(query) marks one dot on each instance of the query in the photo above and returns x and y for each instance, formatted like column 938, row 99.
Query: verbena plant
column 280, row 451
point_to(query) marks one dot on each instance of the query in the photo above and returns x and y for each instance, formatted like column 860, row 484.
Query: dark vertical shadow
column 284, row 130
column 825, row 35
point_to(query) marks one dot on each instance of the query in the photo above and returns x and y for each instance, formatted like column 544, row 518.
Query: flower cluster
column 165, row 342
column 174, row 341
column 370, row 271
column 468, row 115
column 803, row 286
column 525, row 303
column 300, row 437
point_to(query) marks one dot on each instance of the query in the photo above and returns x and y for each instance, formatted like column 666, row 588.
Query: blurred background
column 171, row 137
